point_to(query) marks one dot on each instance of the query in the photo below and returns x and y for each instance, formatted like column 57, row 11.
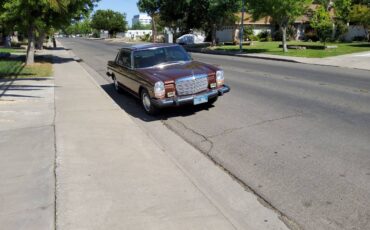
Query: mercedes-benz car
column 164, row 75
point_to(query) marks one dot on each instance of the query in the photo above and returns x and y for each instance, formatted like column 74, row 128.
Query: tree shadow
column 222, row 51
column 132, row 106
column 56, row 48
column 361, row 45
column 15, row 70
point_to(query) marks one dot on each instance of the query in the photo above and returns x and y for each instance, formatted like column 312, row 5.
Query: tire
column 147, row 104
column 212, row 101
column 116, row 85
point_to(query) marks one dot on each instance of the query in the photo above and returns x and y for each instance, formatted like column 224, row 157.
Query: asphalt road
column 298, row 135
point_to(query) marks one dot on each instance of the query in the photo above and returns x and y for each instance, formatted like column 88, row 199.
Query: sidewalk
column 27, row 154
column 354, row 61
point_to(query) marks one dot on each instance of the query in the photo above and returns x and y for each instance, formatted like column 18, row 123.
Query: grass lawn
column 273, row 48
column 17, row 69
column 12, row 50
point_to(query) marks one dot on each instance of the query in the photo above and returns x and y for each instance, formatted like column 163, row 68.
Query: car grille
column 192, row 84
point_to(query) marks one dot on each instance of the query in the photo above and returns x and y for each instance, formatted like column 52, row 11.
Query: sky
column 124, row 6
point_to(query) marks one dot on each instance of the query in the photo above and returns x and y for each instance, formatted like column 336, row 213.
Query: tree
column 37, row 17
column 79, row 27
column 185, row 15
column 283, row 12
column 321, row 22
column 151, row 7
column 139, row 26
column 109, row 20
column 219, row 13
column 360, row 15
column 174, row 14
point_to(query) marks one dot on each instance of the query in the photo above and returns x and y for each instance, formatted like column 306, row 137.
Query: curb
column 217, row 52
column 225, row 53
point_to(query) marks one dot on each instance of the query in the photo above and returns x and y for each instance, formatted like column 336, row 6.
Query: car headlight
column 220, row 79
column 159, row 89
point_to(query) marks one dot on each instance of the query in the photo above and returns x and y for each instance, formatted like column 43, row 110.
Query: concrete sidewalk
column 27, row 154
column 353, row 61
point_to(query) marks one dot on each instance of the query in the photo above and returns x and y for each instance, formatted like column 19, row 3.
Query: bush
column 264, row 36
column 16, row 44
column 360, row 39
column 310, row 35
column 254, row 38
column 146, row 38
column 341, row 29
column 248, row 33
column 96, row 34
column 290, row 34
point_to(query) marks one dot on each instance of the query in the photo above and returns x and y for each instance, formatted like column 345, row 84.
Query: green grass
column 12, row 50
column 17, row 69
column 273, row 48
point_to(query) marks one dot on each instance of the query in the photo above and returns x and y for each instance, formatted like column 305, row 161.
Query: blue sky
column 124, row 6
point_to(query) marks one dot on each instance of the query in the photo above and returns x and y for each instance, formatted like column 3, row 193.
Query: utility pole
column 241, row 30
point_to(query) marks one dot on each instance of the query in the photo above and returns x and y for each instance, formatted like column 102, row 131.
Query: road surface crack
column 298, row 114
column 204, row 139
column 225, row 132
column 291, row 224
column 231, row 130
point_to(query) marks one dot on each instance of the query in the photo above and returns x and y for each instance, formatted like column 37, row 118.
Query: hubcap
column 146, row 102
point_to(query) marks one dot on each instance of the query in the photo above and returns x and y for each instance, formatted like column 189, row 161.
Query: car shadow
column 132, row 106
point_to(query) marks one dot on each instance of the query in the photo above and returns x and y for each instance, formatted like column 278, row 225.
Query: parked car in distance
column 190, row 39
column 164, row 75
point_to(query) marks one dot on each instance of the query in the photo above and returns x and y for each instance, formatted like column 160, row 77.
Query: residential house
column 231, row 33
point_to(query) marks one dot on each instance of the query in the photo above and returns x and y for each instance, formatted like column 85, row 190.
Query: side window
column 124, row 59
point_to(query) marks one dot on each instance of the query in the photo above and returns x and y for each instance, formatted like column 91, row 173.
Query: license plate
column 200, row 99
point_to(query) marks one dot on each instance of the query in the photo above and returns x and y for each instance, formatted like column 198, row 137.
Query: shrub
column 290, row 34
column 360, row 39
column 248, row 33
column 310, row 35
column 254, row 38
column 146, row 38
column 264, row 36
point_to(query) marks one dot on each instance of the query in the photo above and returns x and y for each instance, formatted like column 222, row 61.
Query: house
column 231, row 32
column 134, row 34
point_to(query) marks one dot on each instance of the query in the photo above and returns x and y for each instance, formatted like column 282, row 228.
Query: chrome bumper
column 182, row 100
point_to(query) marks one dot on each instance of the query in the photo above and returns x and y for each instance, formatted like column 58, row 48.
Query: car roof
column 148, row 46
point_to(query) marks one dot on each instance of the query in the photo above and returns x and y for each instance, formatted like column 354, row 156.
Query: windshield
column 151, row 57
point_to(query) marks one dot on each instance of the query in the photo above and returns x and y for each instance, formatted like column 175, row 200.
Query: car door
column 127, row 76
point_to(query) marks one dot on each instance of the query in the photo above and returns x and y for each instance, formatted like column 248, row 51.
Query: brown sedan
column 164, row 75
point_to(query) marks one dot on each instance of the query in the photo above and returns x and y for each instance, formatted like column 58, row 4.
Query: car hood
column 172, row 72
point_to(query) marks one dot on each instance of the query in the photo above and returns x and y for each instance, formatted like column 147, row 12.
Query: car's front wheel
column 147, row 104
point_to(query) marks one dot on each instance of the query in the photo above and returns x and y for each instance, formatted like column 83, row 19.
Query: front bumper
column 177, row 101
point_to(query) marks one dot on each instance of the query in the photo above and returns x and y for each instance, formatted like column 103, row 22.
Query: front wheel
column 147, row 103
